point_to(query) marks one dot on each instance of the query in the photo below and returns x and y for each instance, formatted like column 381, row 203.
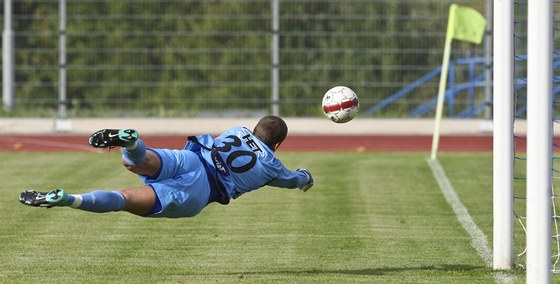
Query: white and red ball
column 340, row 104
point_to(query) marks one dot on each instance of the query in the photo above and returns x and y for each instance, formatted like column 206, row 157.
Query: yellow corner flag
column 466, row 24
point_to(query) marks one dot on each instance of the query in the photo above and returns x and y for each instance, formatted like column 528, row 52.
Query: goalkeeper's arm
column 300, row 178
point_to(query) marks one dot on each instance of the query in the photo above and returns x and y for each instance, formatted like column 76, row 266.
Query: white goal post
column 503, row 134
column 539, row 141
column 539, row 137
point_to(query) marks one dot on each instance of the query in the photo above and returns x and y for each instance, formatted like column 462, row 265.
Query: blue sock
column 98, row 201
column 135, row 156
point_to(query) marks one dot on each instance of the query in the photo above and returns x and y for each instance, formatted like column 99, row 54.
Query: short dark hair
column 271, row 130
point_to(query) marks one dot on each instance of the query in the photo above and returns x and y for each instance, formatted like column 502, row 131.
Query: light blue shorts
column 181, row 186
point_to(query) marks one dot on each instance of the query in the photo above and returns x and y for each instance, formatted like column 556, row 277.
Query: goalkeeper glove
column 309, row 182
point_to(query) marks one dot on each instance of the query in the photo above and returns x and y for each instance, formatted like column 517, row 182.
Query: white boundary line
column 479, row 240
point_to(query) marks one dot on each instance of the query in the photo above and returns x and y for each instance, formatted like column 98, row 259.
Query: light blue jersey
column 241, row 163
column 216, row 169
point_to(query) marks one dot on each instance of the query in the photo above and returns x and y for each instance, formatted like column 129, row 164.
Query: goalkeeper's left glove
column 309, row 182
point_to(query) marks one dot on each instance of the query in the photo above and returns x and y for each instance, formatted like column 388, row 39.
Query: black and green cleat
column 49, row 199
column 109, row 138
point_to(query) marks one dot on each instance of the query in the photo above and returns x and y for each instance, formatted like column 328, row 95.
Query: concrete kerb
column 297, row 126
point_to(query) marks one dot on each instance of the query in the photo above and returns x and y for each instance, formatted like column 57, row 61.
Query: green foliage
column 197, row 56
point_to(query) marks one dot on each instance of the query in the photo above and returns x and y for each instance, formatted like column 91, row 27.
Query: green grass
column 370, row 218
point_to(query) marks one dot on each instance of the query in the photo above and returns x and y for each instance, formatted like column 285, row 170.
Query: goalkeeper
column 180, row 183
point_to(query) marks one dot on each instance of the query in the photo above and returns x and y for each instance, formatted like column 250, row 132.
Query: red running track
column 351, row 143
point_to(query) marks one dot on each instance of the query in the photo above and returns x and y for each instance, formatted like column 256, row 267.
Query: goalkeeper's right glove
column 309, row 182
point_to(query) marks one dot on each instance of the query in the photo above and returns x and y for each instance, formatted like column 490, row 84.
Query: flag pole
column 443, row 80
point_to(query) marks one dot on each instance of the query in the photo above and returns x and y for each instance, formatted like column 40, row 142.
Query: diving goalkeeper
column 180, row 183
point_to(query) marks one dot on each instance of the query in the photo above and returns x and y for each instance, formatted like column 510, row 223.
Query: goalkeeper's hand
column 309, row 182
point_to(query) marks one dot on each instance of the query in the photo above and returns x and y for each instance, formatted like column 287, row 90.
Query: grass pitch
column 370, row 218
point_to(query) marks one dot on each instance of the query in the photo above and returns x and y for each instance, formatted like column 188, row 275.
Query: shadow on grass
column 371, row 271
column 385, row 270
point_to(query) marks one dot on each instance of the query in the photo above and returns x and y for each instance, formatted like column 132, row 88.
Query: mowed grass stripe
column 412, row 213
column 46, row 238
column 371, row 218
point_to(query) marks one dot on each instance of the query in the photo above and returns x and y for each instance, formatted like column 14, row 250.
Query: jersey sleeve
column 289, row 179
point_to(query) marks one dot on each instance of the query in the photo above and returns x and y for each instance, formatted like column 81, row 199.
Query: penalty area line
column 479, row 240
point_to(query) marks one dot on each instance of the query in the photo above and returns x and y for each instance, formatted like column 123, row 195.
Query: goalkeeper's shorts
column 181, row 185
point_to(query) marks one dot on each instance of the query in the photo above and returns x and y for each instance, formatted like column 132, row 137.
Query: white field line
column 479, row 240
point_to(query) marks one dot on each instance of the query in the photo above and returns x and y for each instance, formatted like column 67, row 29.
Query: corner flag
column 465, row 24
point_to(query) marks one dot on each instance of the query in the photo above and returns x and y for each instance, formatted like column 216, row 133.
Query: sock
column 68, row 202
column 132, row 147
column 97, row 201
column 135, row 153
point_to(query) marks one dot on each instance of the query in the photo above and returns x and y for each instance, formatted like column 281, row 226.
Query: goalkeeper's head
column 271, row 130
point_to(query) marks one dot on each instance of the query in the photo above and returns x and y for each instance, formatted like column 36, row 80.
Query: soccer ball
column 340, row 104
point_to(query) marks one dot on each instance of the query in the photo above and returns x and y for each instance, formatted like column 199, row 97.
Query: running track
column 350, row 143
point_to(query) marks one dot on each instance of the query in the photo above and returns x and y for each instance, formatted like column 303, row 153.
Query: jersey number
column 227, row 145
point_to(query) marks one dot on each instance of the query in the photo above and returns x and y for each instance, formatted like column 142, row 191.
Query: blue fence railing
column 473, row 107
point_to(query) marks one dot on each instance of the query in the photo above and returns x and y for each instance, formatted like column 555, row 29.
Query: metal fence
column 169, row 58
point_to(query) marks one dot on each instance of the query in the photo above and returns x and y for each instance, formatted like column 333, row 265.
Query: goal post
column 539, row 141
column 503, row 153
column 539, row 118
